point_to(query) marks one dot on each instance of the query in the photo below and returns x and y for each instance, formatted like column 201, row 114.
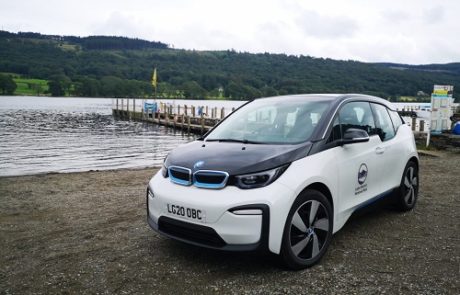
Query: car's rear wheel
column 308, row 230
column 408, row 189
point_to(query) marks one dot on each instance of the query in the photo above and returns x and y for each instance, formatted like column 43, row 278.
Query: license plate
column 185, row 212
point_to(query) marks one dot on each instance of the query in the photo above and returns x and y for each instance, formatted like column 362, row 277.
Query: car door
column 359, row 173
column 388, row 151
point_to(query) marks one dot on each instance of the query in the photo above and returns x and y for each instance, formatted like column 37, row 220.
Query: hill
column 122, row 67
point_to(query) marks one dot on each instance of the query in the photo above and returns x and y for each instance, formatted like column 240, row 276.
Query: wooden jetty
column 188, row 118
column 200, row 119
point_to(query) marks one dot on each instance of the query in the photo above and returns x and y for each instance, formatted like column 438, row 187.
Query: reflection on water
column 39, row 135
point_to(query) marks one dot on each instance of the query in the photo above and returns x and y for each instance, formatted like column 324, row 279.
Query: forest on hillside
column 105, row 66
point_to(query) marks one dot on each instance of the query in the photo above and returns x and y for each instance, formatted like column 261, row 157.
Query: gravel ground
column 87, row 233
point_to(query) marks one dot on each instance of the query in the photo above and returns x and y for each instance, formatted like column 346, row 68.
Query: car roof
column 338, row 98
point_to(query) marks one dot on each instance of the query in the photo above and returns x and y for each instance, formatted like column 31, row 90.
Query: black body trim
column 206, row 236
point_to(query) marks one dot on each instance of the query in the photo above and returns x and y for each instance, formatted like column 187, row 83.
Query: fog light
column 247, row 212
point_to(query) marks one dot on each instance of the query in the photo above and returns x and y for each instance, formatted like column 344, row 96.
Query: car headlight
column 259, row 179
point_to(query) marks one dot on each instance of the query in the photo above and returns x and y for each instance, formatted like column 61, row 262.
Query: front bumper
column 221, row 228
column 205, row 236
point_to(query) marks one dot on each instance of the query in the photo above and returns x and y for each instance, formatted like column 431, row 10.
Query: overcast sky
column 404, row 31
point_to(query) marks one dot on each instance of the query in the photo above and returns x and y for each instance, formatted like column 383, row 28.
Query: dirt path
column 86, row 233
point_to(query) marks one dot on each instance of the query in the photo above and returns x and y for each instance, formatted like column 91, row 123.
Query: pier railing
column 189, row 118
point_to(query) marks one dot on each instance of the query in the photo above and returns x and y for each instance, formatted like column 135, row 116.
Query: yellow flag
column 154, row 78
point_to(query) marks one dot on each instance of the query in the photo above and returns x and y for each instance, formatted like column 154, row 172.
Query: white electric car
column 284, row 174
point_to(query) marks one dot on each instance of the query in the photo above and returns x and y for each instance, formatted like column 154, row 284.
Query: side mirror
column 353, row 135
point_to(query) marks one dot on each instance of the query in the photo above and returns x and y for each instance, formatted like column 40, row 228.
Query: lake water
column 44, row 134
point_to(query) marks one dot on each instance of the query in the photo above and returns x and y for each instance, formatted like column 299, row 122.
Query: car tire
column 308, row 230
column 407, row 193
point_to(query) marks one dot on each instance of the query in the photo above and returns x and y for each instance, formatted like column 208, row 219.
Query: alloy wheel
column 410, row 186
column 309, row 230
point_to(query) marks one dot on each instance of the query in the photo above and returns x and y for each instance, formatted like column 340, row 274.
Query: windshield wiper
column 234, row 140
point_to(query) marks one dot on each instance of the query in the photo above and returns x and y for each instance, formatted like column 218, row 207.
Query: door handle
column 379, row 150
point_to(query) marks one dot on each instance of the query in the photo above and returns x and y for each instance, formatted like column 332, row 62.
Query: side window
column 357, row 115
column 384, row 124
column 396, row 118
column 336, row 133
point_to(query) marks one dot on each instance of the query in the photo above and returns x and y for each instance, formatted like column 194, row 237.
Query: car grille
column 201, row 178
column 180, row 175
column 199, row 234
column 210, row 179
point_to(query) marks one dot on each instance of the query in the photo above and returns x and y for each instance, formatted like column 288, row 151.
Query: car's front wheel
column 308, row 230
column 408, row 189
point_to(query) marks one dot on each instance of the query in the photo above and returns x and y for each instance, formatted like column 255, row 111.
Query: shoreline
column 154, row 168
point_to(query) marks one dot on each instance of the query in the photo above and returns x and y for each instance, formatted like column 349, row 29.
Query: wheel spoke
column 411, row 173
column 408, row 196
column 414, row 181
column 298, row 222
column 322, row 224
column 313, row 211
column 297, row 248
column 315, row 246
column 412, row 196
column 407, row 182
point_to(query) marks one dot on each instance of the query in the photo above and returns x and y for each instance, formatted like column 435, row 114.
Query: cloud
column 326, row 27
column 434, row 15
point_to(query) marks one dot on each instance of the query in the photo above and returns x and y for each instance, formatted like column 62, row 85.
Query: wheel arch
column 321, row 187
column 415, row 160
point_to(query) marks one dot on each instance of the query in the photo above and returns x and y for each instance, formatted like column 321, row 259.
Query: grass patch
column 30, row 86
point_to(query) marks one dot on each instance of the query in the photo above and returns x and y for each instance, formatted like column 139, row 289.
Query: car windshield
column 271, row 121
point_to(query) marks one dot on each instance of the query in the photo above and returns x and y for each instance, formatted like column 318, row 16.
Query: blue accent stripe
column 374, row 199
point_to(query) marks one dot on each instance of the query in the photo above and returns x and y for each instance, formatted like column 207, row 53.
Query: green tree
column 55, row 88
column 193, row 90
column 36, row 87
column 7, row 84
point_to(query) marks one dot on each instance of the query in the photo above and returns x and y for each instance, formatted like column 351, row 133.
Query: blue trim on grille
column 210, row 173
column 180, row 170
column 192, row 178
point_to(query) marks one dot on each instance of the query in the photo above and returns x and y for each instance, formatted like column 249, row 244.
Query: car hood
column 235, row 158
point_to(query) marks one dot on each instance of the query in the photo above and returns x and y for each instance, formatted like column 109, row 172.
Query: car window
column 396, row 118
column 272, row 122
column 384, row 124
column 336, row 133
column 357, row 115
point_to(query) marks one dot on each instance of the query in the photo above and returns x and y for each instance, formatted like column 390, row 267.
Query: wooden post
column 182, row 122
column 422, row 125
column 193, row 111
column 222, row 113
column 178, row 110
column 134, row 108
column 202, row 123
column 185, row 109
column 414, row 121
column 206, row 110
column 174, row 121
column 188, row 124
column 127, row 108
column 117, row 104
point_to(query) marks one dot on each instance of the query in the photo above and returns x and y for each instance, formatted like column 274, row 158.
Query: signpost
column 441, row 110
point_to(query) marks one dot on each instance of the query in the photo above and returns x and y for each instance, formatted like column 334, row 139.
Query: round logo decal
column 362, row 173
